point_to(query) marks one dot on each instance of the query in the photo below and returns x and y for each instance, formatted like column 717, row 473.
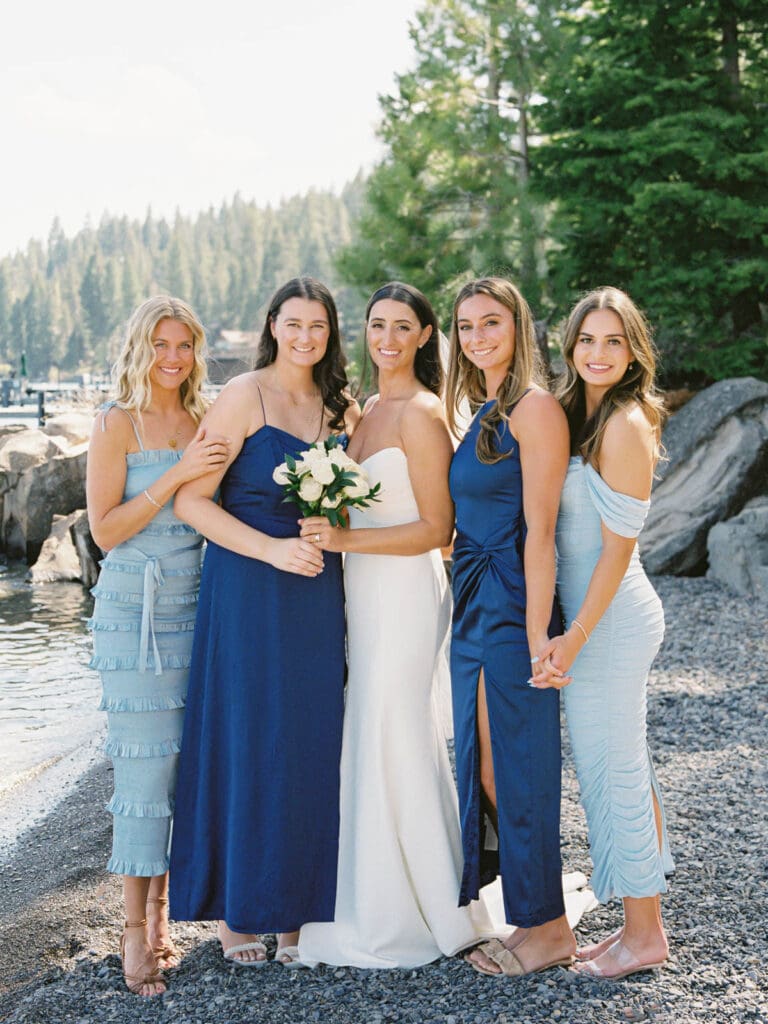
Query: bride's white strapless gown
column 400, row 852
column 400, row 855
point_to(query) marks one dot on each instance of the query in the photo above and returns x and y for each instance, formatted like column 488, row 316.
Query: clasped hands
column 550, row 664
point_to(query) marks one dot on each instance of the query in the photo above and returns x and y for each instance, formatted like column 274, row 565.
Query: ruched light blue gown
column 606, row 702
column 489, row 634
column 255, row 840
column 142, row 639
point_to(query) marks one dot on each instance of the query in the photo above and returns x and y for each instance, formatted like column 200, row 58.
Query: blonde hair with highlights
column 466, row 382
column 130, row 374
column 637, row 384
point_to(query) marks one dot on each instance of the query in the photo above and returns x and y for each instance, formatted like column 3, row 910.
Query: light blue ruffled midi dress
column 605, row 705
column 142, row 624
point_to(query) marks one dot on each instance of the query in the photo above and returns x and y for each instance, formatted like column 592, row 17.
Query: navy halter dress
column 255, row 839
column 489, row 634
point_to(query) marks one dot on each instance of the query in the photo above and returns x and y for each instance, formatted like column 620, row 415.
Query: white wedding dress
column 400, row 852
column 400, row 855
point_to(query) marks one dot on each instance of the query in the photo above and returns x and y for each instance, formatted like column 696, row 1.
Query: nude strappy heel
column 151, row 976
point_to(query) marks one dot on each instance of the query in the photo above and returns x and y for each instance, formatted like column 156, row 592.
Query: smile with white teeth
column 388, row 351
column 481, row 351
column 597, row 367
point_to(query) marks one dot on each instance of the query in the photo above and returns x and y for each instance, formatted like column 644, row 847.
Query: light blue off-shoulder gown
column 605, row 705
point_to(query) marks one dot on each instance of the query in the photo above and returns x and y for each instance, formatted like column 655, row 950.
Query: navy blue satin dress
column 489, row 634
column 256, row 828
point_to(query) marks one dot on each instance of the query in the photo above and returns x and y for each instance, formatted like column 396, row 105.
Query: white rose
column 310, row 489
column 358, row 488
column 340, row 458
column 280, row 475
column 328, row 502
column 322, row 472
column 313, row 455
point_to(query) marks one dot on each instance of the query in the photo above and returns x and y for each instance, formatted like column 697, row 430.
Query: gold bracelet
column 586, row 634
column 150, row 499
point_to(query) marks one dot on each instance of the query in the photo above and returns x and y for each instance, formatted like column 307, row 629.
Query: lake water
column 48, row 695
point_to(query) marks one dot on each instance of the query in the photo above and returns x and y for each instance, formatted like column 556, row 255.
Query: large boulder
column 40, row 476
column 717, row 459
column 68, row 553
column 738, row 551
column 74, row 427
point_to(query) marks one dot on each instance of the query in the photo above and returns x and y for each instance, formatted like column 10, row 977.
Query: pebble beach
column 60, row 913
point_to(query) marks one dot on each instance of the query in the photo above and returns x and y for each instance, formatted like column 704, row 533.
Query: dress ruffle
column 142, row 638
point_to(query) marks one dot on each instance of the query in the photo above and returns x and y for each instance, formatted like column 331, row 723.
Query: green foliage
column 65, row 303
column 451, row 199
column 657, row 159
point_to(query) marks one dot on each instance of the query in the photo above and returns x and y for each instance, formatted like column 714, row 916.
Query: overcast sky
column 117, row 107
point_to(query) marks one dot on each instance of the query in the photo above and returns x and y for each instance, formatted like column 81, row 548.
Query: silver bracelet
column 586, row 634
column 150, row 499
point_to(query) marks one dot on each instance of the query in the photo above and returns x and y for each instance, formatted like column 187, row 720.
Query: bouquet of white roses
column 323, row 481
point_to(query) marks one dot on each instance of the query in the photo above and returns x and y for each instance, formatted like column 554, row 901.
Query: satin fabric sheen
column 256, row 834
column 400, row 854
column 489, row 634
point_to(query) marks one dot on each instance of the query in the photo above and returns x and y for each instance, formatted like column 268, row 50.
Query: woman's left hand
column 319, row 531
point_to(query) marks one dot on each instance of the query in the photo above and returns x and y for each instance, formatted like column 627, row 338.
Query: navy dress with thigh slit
column 489, row 634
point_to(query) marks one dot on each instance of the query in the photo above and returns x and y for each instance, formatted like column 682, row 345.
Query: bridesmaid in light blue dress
column 145, row 444
column 616, row 619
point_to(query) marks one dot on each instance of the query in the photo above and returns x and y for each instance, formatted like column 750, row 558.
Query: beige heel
column 153, row 976
column 169, row 950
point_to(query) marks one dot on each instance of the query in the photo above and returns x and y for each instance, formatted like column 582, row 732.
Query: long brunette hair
column 637, row 384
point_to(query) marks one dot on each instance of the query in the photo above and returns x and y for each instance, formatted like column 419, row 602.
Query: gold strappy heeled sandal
column 167, row 951
column 152, row 976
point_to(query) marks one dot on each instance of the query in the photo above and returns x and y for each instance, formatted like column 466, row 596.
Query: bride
column 400, row 854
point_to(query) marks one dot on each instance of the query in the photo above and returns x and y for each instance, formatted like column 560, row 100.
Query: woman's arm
column 428, row 449
column 114, row 521
column 237, row 412
column 540, row 426
column 626, row 465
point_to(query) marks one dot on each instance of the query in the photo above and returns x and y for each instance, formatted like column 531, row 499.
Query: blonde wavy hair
column 130, row 374
column 637, row 384
column 465, row 381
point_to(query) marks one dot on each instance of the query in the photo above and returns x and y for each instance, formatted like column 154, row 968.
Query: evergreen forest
column 567, row 145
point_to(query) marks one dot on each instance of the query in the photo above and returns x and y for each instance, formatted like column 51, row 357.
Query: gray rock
column 68, row 553
column 40, row 476
column 88, row 552
column 738, row 551
column 74, row 427
column 717, row 459
column 58, row 559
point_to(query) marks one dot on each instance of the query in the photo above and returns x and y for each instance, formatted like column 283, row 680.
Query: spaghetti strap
column 111, row 405
column 263, row 410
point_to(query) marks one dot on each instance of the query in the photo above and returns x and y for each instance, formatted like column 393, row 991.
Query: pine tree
column 658, row 162
column 451, row 198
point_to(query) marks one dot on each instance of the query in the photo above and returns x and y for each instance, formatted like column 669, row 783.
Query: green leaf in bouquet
column 290, row 463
